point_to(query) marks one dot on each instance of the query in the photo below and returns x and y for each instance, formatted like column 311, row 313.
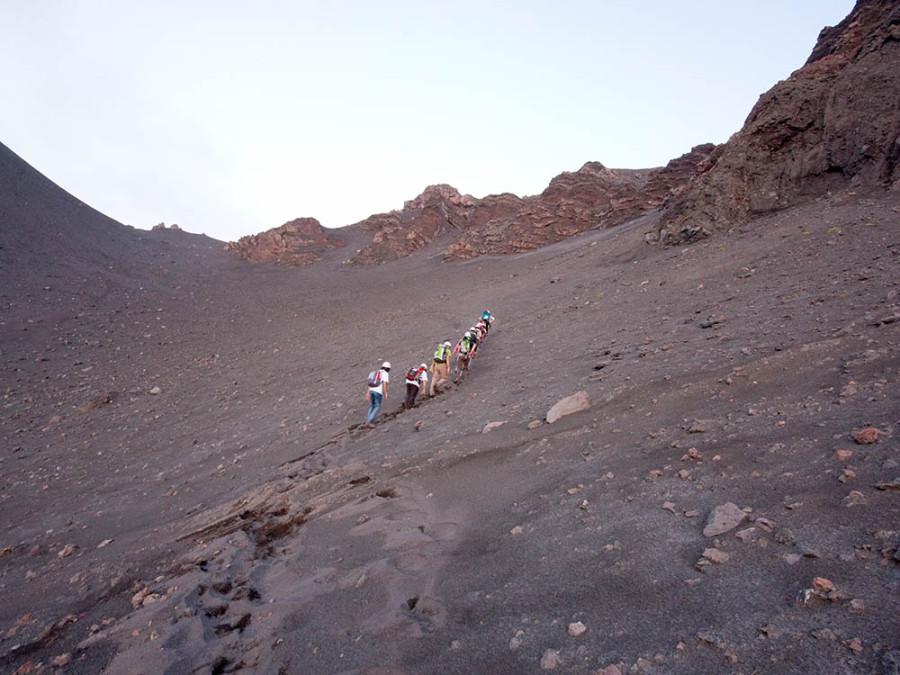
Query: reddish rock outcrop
column 439, row 210
column 833, row 124
column 298, row 242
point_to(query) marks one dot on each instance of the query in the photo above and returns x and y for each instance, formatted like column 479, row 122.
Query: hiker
column 416, row 378
column 377, row 391
column 440, row 366
column 464, row 350
column 478, row 332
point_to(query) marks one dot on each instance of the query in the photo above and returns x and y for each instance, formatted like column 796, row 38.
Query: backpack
column 413, row 372
column 374, row 378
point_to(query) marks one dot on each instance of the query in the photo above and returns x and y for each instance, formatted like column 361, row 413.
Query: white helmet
column 424, row 366
column 386, row 365
column 447, row 344
column 468, row 333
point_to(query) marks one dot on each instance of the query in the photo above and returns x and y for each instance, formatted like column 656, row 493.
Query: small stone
column 534, row 424
column 724, row 518
column 843, row 455
column 104, row 543
column 684, row 474
column 890, row 485
column 867, row 436
column 765, row 524
column 62, row 660
column 516, row 641
column 855, row 498
column 66, row 551
column 746, row 535
column 669, row 506
column 455, row 644
column 550, row 659
column 822, row 584
column 716, row 556
column 156, row 391
column 610, row 670
column 791, row 558
column 854, row 645
column 490, row 426
column 846, row 474
column 692, row 453
column 577, row 629
column 857, row 605
column 138, row 598
column 691, row 514
column 517, row 530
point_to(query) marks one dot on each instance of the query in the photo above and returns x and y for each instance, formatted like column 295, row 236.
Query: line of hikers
column 417, row 376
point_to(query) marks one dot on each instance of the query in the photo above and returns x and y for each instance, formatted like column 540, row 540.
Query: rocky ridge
column 466, row 227
column 297, row 242
column 833, row 124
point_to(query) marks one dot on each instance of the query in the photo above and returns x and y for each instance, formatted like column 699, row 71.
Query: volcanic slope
column 186, row 487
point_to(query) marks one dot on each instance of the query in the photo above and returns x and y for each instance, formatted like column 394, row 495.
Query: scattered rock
column 138, row 598
column 490, row 426
column 669, row 506
column 843, row 455
column 867, row 436
column 62, row 660
column 747, row 535
column 890, row 485
column 765, row 524
column 516, row 641
column 550, row 659
column 610, row 670
column 692, row 453
column 716, row 556
column 577, row 629
column 66, row 551
column 569, row 405
column 517, row 530
column 855, row 498
column 854, row 644
column 534, row 424
column 724, row 518
column 156, row 391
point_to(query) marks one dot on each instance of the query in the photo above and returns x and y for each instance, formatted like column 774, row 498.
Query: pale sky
column 234, row 117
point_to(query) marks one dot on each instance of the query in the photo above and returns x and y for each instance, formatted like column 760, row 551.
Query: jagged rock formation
column 298, row 242
column 439, row 210
column 591, row 197
column 834, row 123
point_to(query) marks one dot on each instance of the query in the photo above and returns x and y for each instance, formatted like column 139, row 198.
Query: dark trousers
column 412, row 390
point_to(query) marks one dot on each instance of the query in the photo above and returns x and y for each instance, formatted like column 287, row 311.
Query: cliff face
column 833, row 124
column 297, row 242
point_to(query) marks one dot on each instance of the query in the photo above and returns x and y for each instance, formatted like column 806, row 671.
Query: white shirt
column 385, row 378
column 421, row 379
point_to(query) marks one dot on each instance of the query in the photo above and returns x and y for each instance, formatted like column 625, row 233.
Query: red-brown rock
column 833, row 123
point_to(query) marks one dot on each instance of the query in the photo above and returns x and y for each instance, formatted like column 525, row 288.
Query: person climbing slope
column 463, row 350
column 416, row 378
column 440, row 366
column 376, row 391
